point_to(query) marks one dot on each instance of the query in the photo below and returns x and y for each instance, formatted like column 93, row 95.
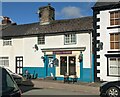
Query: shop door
column 19, row 65
column 67, row 65
column 50, row 70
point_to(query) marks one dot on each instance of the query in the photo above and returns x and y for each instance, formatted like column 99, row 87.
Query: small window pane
column 112, row 22
column 111, row 37
column 112, row 45
column 116, row 37
column 116, row 14
column 117, row 45
column 112, row 15
column 116, row 22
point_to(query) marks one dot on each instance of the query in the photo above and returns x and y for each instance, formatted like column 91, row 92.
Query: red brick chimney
column 6, row 20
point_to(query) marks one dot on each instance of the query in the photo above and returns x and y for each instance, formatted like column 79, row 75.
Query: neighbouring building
column 49, row 47
column 106, row 17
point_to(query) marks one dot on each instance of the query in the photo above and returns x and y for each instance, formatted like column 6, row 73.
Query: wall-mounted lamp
column 43, row 58
column 80, row 57
column 100, row 45
column 55, row 62
column 36, row 47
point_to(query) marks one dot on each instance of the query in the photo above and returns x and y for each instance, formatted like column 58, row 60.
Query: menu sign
column 62, row 52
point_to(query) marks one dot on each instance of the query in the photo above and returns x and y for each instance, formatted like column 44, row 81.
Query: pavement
column 92, row 88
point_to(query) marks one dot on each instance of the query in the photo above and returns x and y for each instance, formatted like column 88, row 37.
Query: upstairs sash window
column 115, row 41
column 41, row 40
column 70, row 38
column 7, row 42
column 115, row 18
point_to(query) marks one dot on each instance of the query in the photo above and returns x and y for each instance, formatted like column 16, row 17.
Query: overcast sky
column 25, row 12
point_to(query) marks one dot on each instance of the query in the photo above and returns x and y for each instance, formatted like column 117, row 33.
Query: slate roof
column 100, row 4
column 55, row 27
column 106, row 5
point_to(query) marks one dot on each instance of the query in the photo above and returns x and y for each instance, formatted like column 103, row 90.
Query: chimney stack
column 46, row 14
column 6, row 20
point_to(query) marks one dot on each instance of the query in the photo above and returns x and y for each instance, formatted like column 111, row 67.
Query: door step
column 49, row 78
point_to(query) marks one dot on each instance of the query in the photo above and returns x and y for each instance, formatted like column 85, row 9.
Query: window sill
column 114, row 51
column 113, row 27
column 69, row 43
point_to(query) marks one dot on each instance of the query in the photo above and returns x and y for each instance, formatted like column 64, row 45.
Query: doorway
column 50, row 68
column 19, row 65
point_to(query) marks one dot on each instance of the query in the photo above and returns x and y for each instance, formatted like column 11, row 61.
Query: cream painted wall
column 74, row 53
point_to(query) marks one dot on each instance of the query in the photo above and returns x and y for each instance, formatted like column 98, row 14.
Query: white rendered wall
column 31, row 58
column 105, row 38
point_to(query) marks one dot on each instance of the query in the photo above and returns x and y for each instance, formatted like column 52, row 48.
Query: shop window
column 72, row 66
column 41, row 40
column 115, row 41
column 115, row 18
column 114, row 66
column 63, row 65
column 4, row 61
column 68, row 65
column 70, row 39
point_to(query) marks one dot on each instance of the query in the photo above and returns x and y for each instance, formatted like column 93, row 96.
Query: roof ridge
column 57, row 20
column 74, row 18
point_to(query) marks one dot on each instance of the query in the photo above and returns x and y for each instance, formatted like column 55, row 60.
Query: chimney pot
column 6, row 20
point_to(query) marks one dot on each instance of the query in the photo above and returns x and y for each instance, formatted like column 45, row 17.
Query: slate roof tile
column 56, row 26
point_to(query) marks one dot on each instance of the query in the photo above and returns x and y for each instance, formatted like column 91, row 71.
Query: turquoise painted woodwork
column 87, row 74
column 48, row 68
column 35, row 70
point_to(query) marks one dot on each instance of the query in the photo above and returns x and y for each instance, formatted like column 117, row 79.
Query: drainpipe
column 91, row 59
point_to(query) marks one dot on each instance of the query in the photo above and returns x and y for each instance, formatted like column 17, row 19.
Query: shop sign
column 62, row 52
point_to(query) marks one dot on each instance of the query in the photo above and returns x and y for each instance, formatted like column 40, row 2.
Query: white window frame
column 41, row 39
column 4, row 61
column 114, row 66
column 7, row 42
column 70, row 39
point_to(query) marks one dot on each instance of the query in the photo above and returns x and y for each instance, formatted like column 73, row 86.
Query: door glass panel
column 72, row 65
column 18, row 64
column 50, row 62
column 20, row 70
column 63, row 65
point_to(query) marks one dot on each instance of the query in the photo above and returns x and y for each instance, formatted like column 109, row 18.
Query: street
column 52, row 92
column 54, row 88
